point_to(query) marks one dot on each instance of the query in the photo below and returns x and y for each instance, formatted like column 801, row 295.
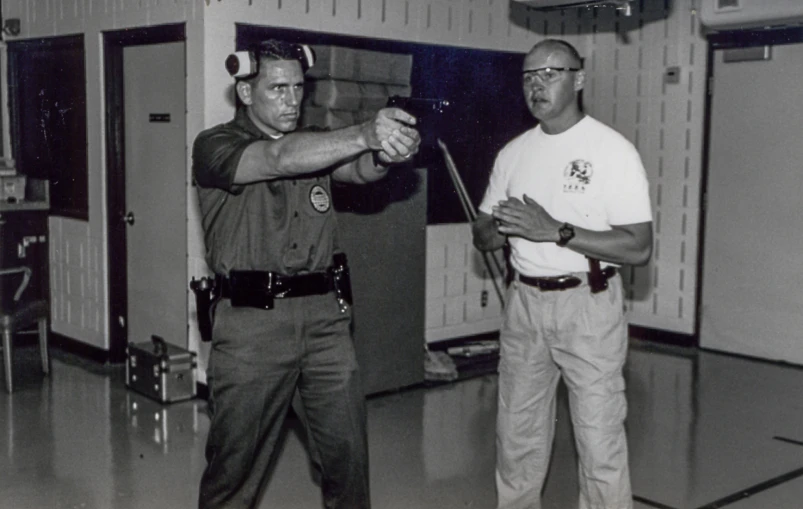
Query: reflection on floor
column 706, row 431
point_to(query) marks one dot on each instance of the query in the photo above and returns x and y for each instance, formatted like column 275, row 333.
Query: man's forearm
column 485, row 234
column 624, row 244
column 362, row 170
column 302, row 153
column 299, row 153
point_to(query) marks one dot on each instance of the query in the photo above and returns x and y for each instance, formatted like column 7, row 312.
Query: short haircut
column 274, row 49
column 561, row 44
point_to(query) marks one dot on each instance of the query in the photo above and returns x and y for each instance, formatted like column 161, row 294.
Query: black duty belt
column 277, row 285
column 561, row 282
column 258, row 288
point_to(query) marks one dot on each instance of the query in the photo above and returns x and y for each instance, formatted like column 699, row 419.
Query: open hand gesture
column 526, row 219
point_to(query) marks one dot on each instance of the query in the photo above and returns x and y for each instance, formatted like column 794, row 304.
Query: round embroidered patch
column 319, row 199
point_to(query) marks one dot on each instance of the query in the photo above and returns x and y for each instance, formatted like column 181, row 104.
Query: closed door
column 752, row 294
column 155, row 192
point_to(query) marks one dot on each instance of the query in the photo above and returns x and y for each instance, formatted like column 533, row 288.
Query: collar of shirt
column 243, row 121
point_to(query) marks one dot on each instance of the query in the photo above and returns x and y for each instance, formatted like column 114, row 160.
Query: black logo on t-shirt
column 577, row 175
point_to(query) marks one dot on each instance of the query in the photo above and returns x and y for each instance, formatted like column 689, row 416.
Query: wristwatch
column 566, row 232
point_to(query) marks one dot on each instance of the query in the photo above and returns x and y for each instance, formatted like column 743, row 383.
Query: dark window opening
column 47, row 106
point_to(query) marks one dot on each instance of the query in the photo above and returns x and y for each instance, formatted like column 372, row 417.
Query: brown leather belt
column 548, row 284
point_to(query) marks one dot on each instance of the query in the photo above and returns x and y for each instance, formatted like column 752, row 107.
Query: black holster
column 597, row 281
column 205, row 300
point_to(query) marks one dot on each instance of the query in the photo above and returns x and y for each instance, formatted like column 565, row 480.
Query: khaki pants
column 581, row 337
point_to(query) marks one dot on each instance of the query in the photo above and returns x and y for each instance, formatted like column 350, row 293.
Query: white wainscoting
column 457, row 279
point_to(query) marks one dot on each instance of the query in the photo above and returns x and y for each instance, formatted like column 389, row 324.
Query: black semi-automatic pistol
column 420, row 107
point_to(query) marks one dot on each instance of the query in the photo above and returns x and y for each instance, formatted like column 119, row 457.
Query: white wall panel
column 456, row 281
column 484, row 22
column 351, row 15
column 629, row 58
column 76, row 281
column 440, row 21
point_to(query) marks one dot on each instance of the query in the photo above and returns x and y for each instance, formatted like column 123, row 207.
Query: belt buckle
column 566, row 282
column 563, row 282
column 277, row 285
column 251, row 289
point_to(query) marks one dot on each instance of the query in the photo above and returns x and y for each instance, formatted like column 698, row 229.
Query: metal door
column 155, row 191
column 752, row 292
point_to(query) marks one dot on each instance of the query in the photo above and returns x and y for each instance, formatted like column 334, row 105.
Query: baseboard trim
column 662, row 336
column 80, row 348
column 445, row 344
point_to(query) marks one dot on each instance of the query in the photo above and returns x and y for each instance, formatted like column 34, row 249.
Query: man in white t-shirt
column 571, row 198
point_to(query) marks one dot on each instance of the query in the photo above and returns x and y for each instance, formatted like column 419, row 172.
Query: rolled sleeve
column 216, row 154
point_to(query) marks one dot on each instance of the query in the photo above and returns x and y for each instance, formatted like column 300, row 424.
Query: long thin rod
column 458, row 182
column 471, row 214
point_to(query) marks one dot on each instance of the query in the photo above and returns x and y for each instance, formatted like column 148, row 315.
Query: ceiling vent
column 549, row 5
column 750, row 14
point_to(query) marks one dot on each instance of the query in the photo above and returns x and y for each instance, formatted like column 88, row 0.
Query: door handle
column 129, row 218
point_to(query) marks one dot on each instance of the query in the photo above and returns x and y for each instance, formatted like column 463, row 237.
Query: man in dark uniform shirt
column 283, row 324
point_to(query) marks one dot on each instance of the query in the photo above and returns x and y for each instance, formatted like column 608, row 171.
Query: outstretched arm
column 390, row 131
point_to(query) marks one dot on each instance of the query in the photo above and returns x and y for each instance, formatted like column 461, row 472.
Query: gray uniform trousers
column 259, row 358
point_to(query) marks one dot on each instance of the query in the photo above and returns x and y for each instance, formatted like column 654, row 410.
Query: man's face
column 274, row 97
column 549, row 93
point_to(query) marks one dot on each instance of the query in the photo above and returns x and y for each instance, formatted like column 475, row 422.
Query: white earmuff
column 241, row 64
column 309, row 56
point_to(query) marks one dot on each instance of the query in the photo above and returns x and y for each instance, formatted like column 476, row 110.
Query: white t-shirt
column 589, row 175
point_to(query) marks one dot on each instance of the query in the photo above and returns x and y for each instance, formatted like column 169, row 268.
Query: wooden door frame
column 113, row 44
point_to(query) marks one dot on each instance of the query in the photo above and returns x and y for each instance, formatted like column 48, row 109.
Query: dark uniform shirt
column 284, row 225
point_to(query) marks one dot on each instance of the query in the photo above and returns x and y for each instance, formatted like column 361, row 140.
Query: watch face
column 566, row 233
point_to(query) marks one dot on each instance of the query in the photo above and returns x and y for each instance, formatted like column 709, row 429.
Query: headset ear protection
column 244, row 64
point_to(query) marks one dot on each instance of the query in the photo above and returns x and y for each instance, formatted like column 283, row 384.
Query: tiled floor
column 706, row 431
